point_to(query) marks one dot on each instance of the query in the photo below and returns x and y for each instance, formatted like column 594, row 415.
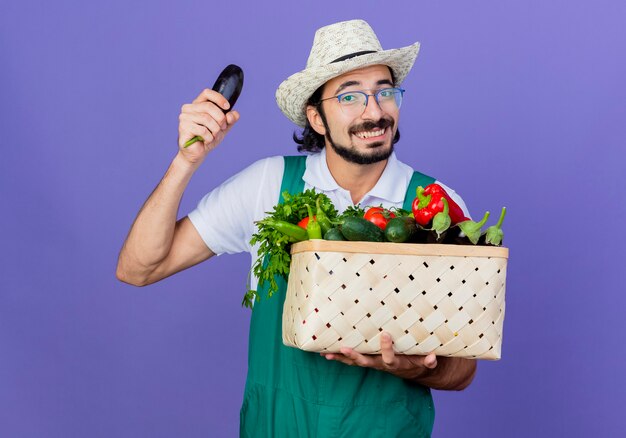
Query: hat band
column 352, row 55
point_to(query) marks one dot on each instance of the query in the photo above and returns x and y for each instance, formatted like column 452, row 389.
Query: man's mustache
column 371, row 126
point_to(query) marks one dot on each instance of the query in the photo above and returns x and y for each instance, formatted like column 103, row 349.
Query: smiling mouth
column 366, row 135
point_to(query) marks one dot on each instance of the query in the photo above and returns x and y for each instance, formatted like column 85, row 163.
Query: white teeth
column 368, row 134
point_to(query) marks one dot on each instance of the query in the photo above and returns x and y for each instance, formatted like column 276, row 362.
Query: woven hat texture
column 354, row 40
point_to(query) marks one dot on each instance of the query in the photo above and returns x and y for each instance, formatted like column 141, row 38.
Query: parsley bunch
column 274, row 250
column 352, row 211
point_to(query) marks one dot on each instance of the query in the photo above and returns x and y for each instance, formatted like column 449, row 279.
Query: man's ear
column 315, row 120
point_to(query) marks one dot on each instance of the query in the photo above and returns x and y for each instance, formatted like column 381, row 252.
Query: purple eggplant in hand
column 229, row 84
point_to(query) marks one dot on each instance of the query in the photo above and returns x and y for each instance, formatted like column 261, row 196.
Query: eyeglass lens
column 355, row 102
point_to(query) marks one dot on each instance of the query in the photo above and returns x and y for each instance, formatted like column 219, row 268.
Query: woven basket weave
column 446, row 299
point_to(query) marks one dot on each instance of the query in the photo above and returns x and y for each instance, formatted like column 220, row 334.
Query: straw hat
column 337, row 49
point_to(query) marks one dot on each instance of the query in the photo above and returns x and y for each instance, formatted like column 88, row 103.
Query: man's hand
column 405, row 367
column 205, row 118
column 438, row 373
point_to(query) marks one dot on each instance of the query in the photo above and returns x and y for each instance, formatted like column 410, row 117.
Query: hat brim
column 293, row 92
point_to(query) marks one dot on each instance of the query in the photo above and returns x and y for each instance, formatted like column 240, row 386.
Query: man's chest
column 342, row 199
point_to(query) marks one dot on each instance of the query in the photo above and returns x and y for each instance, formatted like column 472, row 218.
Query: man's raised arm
column 158, row 245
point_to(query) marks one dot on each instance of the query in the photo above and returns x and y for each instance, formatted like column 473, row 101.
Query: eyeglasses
column 353, row 103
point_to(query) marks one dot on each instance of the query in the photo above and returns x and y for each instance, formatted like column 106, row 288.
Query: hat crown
column 340, row 39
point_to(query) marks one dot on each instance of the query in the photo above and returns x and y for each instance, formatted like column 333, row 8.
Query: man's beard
column 354, row 156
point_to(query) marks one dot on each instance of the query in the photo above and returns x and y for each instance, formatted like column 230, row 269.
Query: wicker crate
column 446, row 299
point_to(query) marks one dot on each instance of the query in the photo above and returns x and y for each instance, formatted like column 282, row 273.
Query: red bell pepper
column 428, row 203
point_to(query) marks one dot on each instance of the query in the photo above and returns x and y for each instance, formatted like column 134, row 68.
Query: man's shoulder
column 268, row 162
column 406, row 168
column 277, row 162
column 405, row 174
column 259, row 170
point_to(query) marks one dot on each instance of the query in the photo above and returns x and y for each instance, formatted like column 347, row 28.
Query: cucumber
column 401, row 229
column 334, row 234
column 359, row 229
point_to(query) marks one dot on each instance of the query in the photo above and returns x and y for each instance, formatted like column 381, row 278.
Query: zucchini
column 401, row 229
column 334, row 234
column 359, row 229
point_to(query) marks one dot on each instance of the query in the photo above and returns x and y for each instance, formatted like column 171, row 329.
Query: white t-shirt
column 225, row 216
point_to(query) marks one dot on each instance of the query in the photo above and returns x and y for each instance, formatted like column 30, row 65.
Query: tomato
column 379, row 216
column 304, row 222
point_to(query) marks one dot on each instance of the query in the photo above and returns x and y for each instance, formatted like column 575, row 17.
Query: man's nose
column 372, row 109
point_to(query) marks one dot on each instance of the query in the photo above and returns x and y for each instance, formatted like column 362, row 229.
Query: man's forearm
column 451, row 373
column 150, row 237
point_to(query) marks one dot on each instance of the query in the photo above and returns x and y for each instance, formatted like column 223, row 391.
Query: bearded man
column 347, row 100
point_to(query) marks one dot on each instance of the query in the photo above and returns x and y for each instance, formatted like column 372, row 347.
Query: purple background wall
column 512, row 103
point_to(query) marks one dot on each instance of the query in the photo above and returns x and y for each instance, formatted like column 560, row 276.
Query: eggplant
column 494, row 234
column 466, row 232
column 421, row 236
column 456, row 237
column 229, row 84
column 433, row 236
column 452, row 235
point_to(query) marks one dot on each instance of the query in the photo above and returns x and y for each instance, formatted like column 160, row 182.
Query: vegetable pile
column 435, row 218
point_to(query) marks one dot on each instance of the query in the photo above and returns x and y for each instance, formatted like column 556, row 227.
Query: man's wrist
column 425, row 374
column 183, row 165
column 451, row 373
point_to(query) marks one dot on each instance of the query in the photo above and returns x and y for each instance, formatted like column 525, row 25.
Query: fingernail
column 226, row 105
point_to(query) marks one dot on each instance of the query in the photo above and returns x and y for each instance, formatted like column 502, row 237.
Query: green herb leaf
column 400, row 212
column 353, row 211
column 274, row 256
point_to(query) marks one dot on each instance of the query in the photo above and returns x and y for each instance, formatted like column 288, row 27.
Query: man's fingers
column 212, row 96
column 205, row 108
column 198, row 130
column 360, row 359
column 203, row 120
column 339, row 358
column 386, row 349
column 430, row 361
column 232, row 117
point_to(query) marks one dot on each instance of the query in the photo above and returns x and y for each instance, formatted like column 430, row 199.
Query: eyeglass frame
column 367, row 96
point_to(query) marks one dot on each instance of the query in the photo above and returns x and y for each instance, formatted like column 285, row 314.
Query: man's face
column 365, row 138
